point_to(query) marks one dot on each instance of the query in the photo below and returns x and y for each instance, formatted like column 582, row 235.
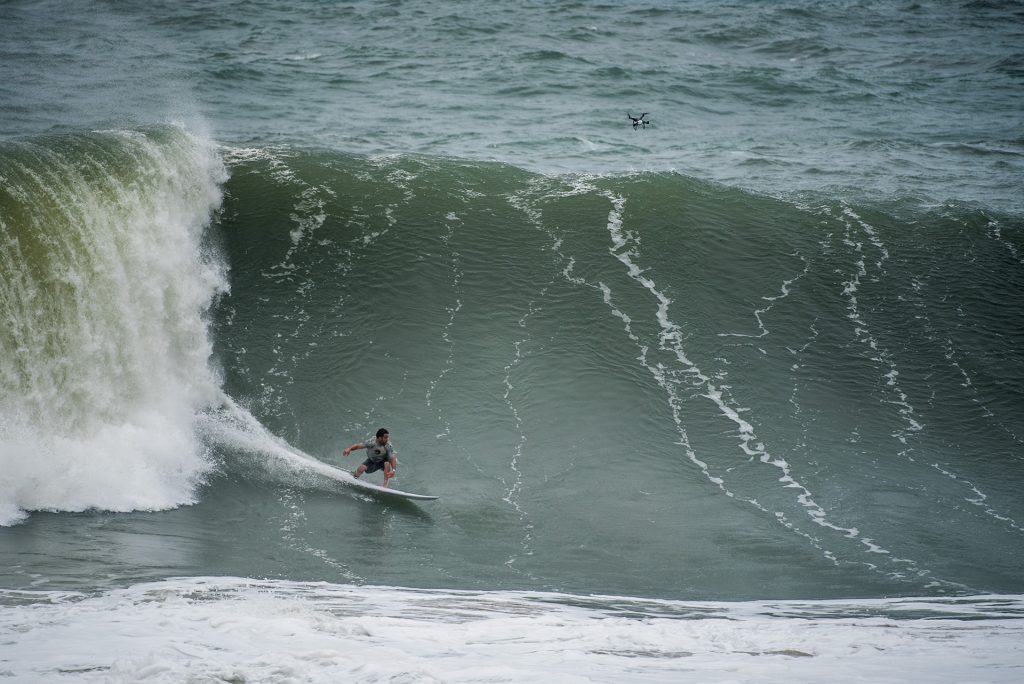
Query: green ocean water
column 744, row 381
column 767, row 347
column 640, row 384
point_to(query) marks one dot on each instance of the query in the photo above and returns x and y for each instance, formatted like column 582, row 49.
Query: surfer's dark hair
column 381, row 433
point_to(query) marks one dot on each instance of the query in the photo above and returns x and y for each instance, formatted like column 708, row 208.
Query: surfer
column 381, row 455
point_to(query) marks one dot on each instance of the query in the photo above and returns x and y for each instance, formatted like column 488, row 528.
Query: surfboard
column 387, row 491
column 347, row 478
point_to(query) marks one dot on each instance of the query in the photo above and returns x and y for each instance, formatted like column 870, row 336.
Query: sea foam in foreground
column 237, row 630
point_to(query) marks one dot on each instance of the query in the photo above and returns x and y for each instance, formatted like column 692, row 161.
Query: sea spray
column 105, row 279
column 254, row 451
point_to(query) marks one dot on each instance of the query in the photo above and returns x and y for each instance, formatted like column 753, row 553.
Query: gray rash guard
column 377, row 453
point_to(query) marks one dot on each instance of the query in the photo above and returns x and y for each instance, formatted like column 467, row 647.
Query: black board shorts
column 373, row 466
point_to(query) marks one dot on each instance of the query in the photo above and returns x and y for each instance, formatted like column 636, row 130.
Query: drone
column 638, row 121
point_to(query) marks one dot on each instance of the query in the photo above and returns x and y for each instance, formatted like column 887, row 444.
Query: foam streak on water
column 671, row 339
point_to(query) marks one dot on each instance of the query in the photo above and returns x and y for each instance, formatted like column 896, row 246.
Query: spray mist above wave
column 106, row 279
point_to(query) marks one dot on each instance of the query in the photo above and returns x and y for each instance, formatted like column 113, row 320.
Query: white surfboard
column 347, row 478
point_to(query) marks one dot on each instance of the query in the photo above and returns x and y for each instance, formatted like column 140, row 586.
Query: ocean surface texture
column 735, row 395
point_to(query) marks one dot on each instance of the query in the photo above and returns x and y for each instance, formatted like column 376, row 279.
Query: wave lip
column 107, row 277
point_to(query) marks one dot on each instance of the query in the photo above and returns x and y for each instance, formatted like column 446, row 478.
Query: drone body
column 638, row 121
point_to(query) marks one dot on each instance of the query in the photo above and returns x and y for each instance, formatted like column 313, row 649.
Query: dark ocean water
column 766, row 349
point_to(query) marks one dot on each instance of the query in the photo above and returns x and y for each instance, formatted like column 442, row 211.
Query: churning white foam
column 104, row 359
column 239, row 630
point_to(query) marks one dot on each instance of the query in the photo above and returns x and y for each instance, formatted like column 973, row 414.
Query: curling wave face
column 104, row 352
